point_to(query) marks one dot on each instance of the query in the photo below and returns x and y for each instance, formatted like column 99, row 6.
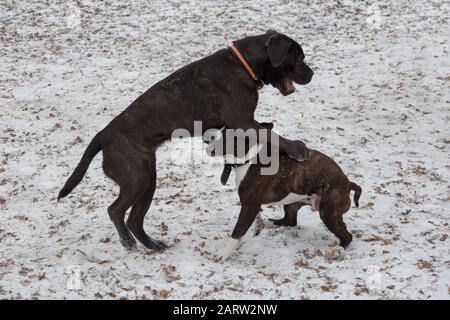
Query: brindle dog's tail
column 91, row 151
column 358, row 191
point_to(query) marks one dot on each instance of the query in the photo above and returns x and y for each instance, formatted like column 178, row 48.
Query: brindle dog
column 318, row 182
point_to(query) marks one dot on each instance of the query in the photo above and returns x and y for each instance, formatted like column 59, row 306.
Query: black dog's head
column 286, row 63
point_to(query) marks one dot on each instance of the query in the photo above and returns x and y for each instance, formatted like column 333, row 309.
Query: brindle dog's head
column 286, row 63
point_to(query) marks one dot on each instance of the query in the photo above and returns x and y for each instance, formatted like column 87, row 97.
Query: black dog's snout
column 302, row 73
column 309, row 73
column 309, row 76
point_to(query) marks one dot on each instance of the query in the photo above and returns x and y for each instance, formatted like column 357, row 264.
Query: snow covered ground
column 378, row 104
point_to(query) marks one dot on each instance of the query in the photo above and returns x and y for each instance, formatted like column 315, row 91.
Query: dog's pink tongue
column 289, row 84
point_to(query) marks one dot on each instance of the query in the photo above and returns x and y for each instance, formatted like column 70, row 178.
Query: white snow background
column 378, row 104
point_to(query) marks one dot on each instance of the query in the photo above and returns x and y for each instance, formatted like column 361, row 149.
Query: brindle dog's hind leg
column 334, row 222
column 290, row 215
column 331, row 212
column 135, row 220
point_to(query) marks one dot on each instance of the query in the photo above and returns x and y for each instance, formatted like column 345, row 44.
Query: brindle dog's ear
column 277, row 48
column 267, row 125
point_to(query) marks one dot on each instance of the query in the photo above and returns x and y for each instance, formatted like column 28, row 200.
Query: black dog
column 216, row 90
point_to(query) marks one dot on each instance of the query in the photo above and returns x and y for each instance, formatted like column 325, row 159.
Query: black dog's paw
column 157, row 245
column 129, row 244
column 283, row 222
column 299, row 151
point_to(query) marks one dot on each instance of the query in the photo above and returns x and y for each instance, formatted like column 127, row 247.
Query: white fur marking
column 294, row 197
column 252, row 153
column 240, row 172
column 228, row 249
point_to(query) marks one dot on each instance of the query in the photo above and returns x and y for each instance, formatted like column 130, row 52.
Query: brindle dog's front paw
column 226, row 251
column 298, row 151
column 337, row 253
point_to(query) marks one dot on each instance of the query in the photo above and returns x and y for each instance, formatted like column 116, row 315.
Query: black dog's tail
column 358, row 191
column 91, row 151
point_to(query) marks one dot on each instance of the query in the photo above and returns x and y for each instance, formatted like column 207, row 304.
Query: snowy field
column 378, row 104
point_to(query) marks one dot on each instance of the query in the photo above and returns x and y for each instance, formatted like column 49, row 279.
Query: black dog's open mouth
column 286, row 87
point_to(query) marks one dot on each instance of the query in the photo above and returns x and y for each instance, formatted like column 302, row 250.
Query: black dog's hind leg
column 116, row 213
column 290, row 215
column 131, row 173
column 135, row 220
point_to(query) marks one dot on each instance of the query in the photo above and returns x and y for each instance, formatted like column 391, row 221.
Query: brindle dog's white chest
column 240, row 172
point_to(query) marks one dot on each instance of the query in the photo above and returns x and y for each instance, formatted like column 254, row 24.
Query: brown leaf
column 422, row 264
column 164, row 228
column 328, row 288
column 169, row 272
column 164, row 293
column 287, row 280
column 302, row 263
column 41, row 276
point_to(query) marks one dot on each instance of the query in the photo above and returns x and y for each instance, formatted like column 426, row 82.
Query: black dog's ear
column 267, row 125
column 277, row 48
